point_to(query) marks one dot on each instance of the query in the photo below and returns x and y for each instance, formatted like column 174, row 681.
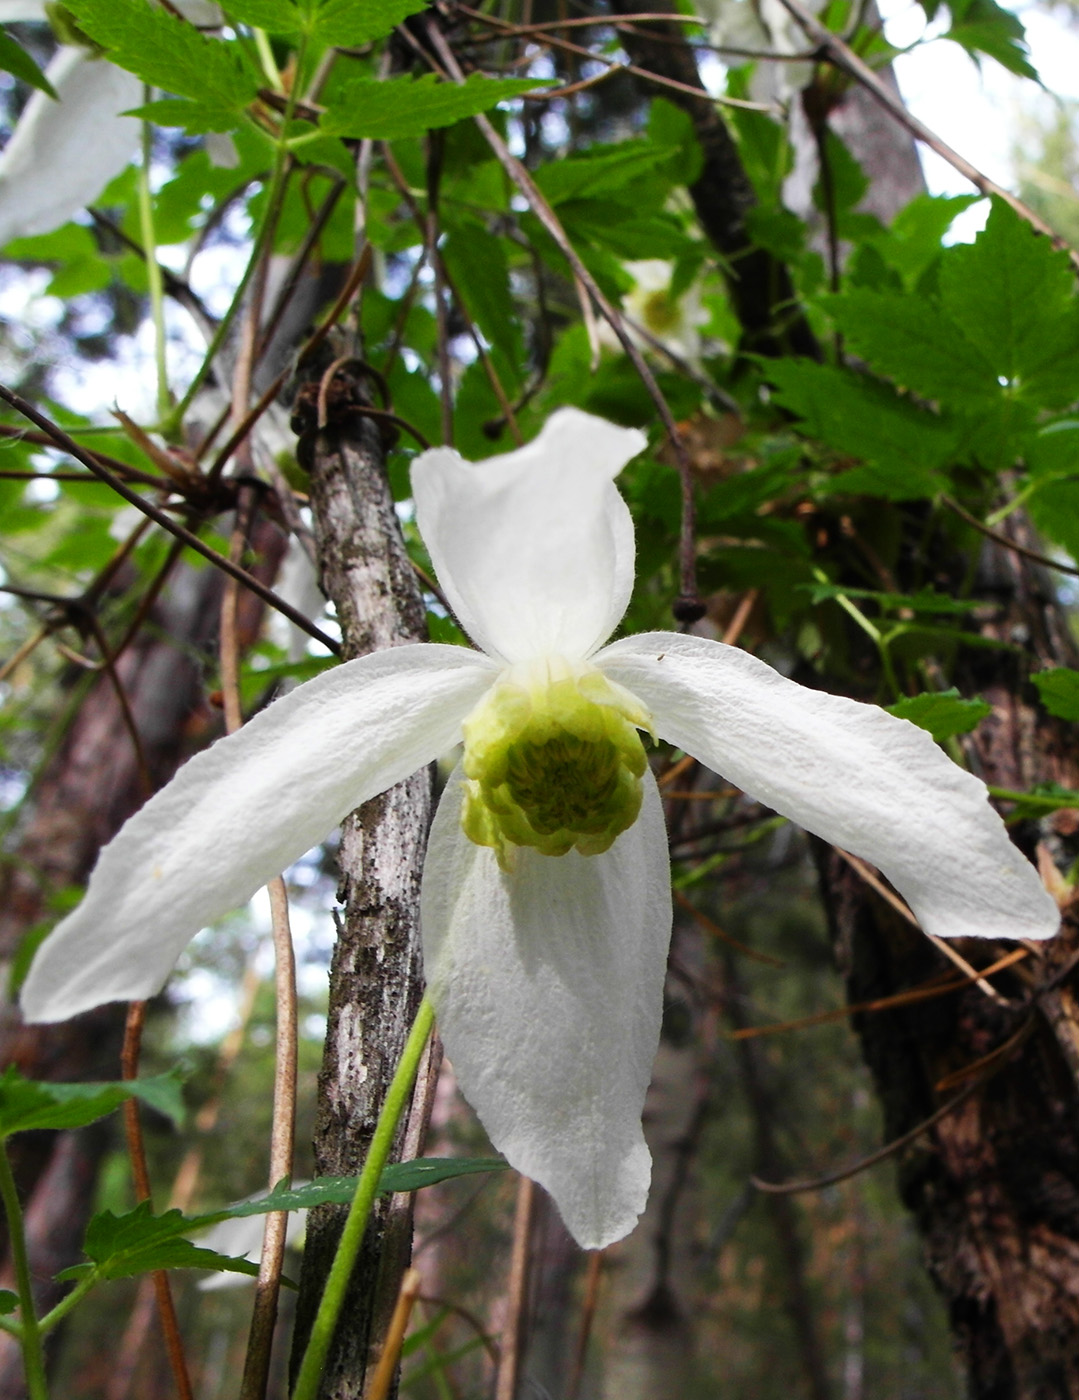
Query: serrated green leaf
column 400, row 107
column 904, row 447
column 139, row 1242
column 604, row 171
column 1059, row 691
column 196, row 118
column 1011, row 294
column 339, row 1190
column 27, row 1103
column 1055, row 449
column 982, row 26
column 347, row 23
column 925, row 601
column 276, row 16
column 168, row 52
column 15, row 60
column 944, row 714
column 917, row 345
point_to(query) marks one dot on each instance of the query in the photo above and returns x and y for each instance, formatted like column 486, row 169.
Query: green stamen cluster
column 660, row 312
column 554, row 761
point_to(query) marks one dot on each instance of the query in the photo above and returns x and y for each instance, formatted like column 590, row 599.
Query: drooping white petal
column 239, row 813
column 875, row 785
column 62, row 154
column 533, row 548
column 548, row 987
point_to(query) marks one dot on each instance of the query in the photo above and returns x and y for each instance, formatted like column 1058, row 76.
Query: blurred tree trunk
column 376, row 976
column 993, row 1185
column 84, row 795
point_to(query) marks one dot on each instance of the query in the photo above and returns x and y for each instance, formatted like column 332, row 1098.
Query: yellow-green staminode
column 554, row 760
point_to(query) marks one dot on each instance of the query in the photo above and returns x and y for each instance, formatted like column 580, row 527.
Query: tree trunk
column 376, row 976
column 85, row 794
column 993, row 1184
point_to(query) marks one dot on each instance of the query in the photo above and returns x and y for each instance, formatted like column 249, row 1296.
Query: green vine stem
column 154, row 280
column 359, row 1213
column 33, row 1357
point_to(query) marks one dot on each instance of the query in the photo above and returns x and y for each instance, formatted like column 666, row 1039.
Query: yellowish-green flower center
column 660, row 312
column 553, row 760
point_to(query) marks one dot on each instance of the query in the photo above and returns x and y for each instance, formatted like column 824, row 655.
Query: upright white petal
column 62, row 154
column 239, row 813
column 548, row 987
column 534, row 548
column 875, row 785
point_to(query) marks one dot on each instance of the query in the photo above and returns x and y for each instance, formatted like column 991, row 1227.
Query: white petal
column 245, row 809
column 62, row 154
column 16, row 11
column 548, row 987
column 875, row 785
column 534, row 548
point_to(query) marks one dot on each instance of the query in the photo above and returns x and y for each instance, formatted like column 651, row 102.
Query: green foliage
column 983, row 27
column 138, row 1242
column 1058, row 691
column 29, row 1104
column 169, row 53
column 392, row 108
column 944, row 714
column 15, row 60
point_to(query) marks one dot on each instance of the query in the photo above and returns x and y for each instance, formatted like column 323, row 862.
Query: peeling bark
column 376, row 977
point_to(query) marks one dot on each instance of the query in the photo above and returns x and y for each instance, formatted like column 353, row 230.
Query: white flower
column 546, row 970
column 674, row 322
column 62, row 154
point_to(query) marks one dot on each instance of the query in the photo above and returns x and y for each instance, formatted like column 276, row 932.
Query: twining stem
column 154, row 279
column 348, row 1247
column 268, row 1285
column 30, row 1339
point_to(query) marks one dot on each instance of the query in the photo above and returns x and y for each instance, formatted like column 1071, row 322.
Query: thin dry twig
column 395, row 1336
column 994, row 1061
column 62, row 440
column 509, row 1360
column 129, row 1069
column 844, row 57
column 900, row 906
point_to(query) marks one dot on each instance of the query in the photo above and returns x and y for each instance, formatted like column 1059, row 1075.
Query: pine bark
column 376, row 976
column 993, row 1186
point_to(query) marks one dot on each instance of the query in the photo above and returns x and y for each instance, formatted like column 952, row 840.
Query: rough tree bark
column 993, row 1185
column 85, row 794
column 376, row 977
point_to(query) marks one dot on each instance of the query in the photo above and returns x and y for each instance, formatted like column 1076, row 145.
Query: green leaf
column 168, row 52
column 398, row 107
column 276, row 16
column 903, row 447
column 339, row 1190
column 347, row 23
column 15, row 60
column 27, row 1103
column 917, row 345
column 140, row 1242
column 1055, row 450
column 1054, row 508
column 605, row 171
column 944, row 714
column 925, row 601
column 477, row 264
column 1041, row 801
column 917, row 231
column 1059, row 691
column 1011, row 293
column 196, row 118
column 8, row 1301
column 981, row 26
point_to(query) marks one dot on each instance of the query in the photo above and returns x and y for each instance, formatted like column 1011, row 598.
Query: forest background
column 325, row 243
